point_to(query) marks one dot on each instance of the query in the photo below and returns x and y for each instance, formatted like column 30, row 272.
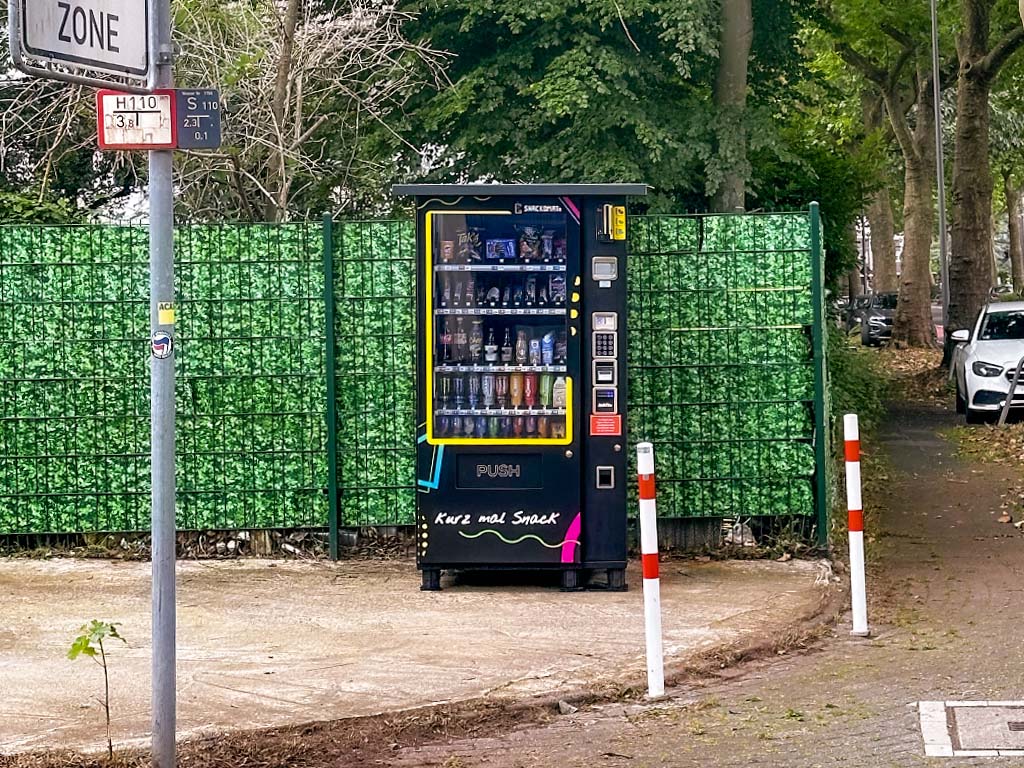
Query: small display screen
column 605, row 269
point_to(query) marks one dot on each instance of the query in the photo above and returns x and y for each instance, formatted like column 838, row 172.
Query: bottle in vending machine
column 505, row 426
column 561, row 348
column 542, row 426
column 446, row 341
column 506, row 296
column 470, row 295
column 460, row 341
column 531, row 426
column 546, row 384
column 515, row 389
column 518, row 426
column 493, row 426
column 446, row 290
column 547, row 246
column 558, row 393
column 530, row 390
column 491, row 348
column 476, row 340
column 535, row 354
column 522, row 348
column 467, row 426
column 480, row 428
column 517, row 295
column 493, row 296
column 506, row 348
column 556, row 289
column 547, row 350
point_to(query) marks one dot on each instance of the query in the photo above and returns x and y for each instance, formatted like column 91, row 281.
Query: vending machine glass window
column 497, row 331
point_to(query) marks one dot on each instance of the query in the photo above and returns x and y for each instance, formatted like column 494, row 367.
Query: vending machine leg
column 617, row 580
column 431, row 580
column 570, row 581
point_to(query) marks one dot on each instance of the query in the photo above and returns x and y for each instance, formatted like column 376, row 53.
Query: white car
column 985, row 360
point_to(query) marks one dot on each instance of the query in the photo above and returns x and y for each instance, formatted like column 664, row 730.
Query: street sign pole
column 162, row 407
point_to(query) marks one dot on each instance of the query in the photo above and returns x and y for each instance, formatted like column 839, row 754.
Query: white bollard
column 652, row 582
column 855, row 507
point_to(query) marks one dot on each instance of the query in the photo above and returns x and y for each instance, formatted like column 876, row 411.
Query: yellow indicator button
column 575, row 297
column 577, row 280
column 619, row 222
column 572, row 328
column 574, row 314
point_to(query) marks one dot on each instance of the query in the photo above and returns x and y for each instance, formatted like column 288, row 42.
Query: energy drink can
column 480, row 428
column 487, row 385
column 518, row 426
column 474, row 390
column 543, row 424
column 531, row 426
column 493, row 426
column 515, row 389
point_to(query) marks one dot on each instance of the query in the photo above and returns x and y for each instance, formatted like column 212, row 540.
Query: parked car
column 874, row 314
column 985, row 359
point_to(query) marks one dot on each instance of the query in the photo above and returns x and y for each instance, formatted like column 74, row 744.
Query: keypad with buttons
column 604, row 345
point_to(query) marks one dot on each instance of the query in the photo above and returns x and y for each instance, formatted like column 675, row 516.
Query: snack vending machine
column 521, row 393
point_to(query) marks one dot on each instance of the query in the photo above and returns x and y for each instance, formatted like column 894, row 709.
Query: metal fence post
column 333, row 516
column 820, row 405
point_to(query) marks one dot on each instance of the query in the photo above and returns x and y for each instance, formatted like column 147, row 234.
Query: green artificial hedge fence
column 722, row 366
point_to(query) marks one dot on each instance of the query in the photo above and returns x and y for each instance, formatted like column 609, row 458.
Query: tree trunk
column 1013, row 195
column 275, row 206
column 730, row 162
column 853, row 284
column 913, row 323
column 883, row 247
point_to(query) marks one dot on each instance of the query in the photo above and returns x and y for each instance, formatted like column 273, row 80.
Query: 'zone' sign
column 106, row 35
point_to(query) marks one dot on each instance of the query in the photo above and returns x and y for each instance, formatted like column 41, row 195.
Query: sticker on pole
column 163, row 345
column 136, row 120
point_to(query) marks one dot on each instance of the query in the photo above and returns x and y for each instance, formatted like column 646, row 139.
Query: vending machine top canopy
column 540, row 190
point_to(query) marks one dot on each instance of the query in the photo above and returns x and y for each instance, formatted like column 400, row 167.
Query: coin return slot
column 606, row 477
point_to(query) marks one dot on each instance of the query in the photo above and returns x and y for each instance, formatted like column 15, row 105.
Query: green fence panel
column 374, row 276
column 722, row 361
column 74, row 378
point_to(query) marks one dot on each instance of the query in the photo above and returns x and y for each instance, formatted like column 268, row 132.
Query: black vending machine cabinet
column 521, row 394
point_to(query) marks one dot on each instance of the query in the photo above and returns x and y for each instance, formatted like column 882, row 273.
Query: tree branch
column 990, row 65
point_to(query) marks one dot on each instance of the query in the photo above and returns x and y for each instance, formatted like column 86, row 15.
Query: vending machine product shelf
column 521, row 390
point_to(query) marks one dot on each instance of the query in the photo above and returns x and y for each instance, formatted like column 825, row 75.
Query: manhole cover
column 972, row 728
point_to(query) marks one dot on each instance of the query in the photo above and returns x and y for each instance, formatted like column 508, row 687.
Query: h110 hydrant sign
column 136, row 120
column 104, row 35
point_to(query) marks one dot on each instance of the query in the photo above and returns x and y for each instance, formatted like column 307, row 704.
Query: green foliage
column 856, row 384
column 74, row 443
column 19, row 208
column 90, row 643
column 720, row 362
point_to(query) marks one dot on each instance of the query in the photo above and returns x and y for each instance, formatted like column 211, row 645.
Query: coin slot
column 605, row 477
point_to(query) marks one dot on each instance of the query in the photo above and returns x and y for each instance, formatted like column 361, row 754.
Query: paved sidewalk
column 265, row 643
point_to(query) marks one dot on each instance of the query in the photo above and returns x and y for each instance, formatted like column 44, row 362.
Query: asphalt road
column 945, row 598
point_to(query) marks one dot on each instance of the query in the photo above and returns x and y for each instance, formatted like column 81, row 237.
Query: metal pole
column 161, row 282
column 940, row 175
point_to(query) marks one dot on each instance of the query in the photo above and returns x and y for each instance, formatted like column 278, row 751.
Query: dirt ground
column 945, row 601
column 275, row 643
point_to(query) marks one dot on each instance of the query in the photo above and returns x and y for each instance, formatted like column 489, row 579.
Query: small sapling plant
column 90, row 643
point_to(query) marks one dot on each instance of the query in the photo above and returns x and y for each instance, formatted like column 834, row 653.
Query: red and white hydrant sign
column 136, row 120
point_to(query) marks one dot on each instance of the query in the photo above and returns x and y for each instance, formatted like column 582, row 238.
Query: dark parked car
column 874, row 316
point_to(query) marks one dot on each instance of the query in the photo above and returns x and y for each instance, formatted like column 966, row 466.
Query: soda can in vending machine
column 501, row 390
column 487, row 385
column 467, row 426
column 505, row 426
column 480, row 428
column 542, row 426
column 444, row 388
column 530, row 390
column 474, row 390
column 493, row 426
column 518, row 426
column 531, row 426
column 459, row 389
column 441, row 426
column 547, row 382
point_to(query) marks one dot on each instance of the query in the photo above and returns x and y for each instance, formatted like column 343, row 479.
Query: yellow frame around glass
column 431, row 339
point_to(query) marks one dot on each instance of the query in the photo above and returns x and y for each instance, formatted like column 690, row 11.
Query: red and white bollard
column 855, row 506
column 652, row 582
